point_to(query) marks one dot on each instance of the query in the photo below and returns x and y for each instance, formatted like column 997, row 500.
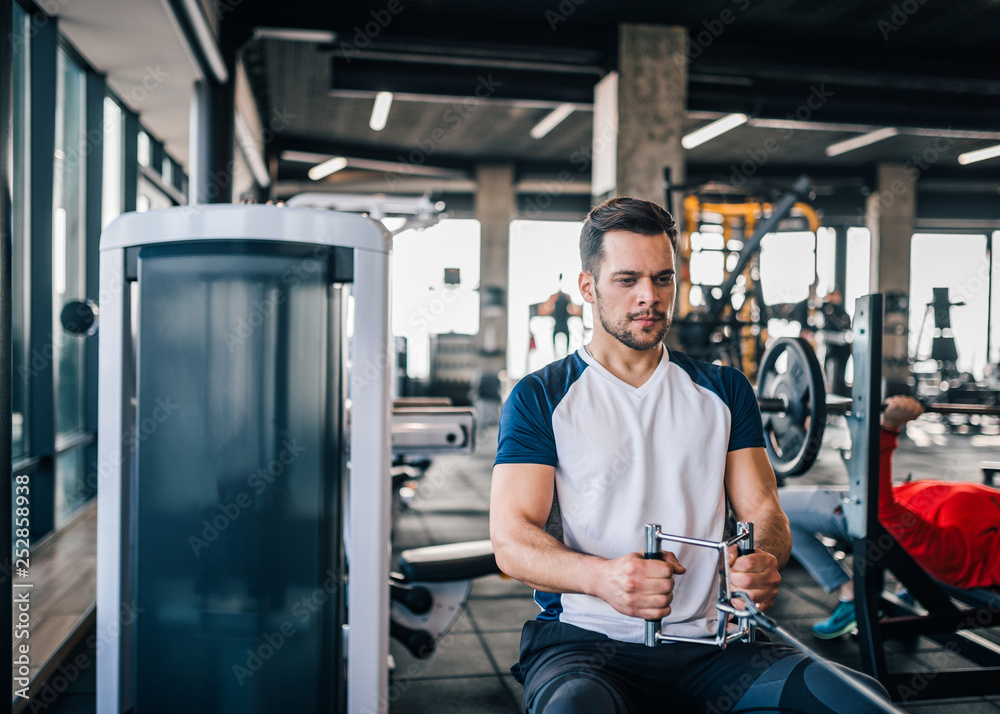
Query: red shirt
column 952, row 529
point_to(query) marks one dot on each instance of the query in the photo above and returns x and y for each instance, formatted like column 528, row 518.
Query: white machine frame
column 368, row 515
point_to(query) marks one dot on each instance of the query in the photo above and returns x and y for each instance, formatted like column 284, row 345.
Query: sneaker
column 840, row 623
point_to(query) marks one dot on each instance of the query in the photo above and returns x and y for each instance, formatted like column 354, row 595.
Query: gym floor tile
column 445, row 523
column 515, row 689
column 501, row 614
column 791, row 604
column 462, row 624
column 457, row 654
column 500, row 586
column 469, row 695
column 505, row 647
column 412, row 538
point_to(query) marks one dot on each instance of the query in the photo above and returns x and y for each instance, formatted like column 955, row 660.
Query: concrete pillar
column 495, row 208
column 643, row 137
column 890, row 216
column 212, row 132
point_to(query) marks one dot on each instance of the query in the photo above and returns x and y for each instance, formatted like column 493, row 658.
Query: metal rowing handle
column 744, row 547
column 653, row 552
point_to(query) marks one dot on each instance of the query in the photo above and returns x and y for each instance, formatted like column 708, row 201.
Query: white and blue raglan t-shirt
column 627, row 456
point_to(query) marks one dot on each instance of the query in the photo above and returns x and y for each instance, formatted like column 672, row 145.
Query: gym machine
column 234, row 497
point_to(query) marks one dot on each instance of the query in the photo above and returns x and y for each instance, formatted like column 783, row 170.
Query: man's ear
column 586, row 282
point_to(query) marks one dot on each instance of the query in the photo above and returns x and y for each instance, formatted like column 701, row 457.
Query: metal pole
column 6, row 312
column 989, row 296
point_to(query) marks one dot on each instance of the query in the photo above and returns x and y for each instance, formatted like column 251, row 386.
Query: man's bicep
column 521, row 493
column 750, row 482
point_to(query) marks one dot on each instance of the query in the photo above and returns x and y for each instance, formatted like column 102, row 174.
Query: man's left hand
column 755, row 574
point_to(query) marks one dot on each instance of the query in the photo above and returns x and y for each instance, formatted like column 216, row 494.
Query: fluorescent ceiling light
column 842, row 147
column 306, row 157
column 971, row 157
column 709, row 132
column 552, row 120
column 322, row 37
column 327, row 167
column 380, row 111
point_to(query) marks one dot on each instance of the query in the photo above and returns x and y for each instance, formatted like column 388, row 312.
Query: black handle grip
column 745, row 547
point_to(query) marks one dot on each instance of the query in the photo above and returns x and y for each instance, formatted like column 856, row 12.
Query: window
column 859, row 261
column 19, row 332
column 71, row 490
column 539, row 252
column 150, row 197
column 826, row 258
column 68, row 242
column 422, row 303
column 168, row 170
column 965, row 272
column 112, row 190
column 145, row 149
column 787, row 266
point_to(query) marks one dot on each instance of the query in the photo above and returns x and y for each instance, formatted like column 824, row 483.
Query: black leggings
column 794, row 683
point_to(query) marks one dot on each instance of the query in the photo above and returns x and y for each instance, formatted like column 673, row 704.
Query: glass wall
column 69, row 280
column 68, row 241
column 50, row 369
column 19, row 325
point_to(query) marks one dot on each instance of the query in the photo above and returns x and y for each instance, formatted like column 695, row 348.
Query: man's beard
column 645, row 340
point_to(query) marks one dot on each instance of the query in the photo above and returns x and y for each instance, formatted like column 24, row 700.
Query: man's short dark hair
column 632, row 215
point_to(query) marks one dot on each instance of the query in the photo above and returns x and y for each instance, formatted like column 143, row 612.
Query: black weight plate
column 793, row 438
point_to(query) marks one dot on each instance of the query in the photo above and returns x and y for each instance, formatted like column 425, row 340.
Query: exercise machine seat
column 454, row 561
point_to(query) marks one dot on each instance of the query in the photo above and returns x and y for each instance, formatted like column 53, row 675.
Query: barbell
column 794, row 415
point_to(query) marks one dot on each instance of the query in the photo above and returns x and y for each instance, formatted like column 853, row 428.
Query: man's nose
column 647, row 292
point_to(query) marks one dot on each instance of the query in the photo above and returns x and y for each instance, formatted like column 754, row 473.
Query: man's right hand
column 638, row 587
column 899, row 410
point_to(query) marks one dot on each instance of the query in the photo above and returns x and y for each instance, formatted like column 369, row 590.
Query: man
column 952, row 529
column 560, row 307
column 623, row 433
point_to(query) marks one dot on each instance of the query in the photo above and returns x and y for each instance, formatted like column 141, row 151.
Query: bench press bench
column 876, row 551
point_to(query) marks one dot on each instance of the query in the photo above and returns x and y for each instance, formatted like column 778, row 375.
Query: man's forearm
column 529, row 554
column 772, row 533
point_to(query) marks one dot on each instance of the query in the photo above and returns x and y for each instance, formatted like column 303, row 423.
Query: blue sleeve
column 526, row 435
column 746, row 430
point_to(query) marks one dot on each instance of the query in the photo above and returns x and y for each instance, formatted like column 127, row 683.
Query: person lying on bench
column 625, row 432
column 951, row 529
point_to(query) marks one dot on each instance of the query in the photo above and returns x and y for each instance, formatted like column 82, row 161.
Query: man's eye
column 626, row 281
column 665, row 280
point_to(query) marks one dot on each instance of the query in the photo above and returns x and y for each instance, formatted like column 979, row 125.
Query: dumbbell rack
column 875, row 551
